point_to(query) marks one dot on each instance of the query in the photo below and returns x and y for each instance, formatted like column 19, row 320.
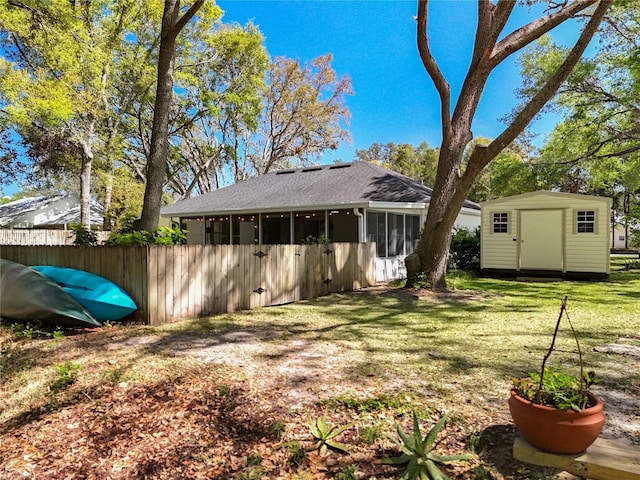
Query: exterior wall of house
column 469, row 219
column 393, row 267
column 546, row 231
column 619, row 238
column 341, row 225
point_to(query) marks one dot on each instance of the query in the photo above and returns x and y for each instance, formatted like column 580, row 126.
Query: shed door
column 541, row 240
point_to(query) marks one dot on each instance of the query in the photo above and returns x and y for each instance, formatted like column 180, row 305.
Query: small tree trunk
column 85, row 191
column 108, row 200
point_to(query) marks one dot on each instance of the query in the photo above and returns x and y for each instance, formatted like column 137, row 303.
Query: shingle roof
column 14, row 212
column 335, row 185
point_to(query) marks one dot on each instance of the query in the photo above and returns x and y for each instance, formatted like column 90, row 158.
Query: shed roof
column 542, row 193
column 345, row 184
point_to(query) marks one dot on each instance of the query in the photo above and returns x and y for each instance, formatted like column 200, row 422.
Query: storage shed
column 546, row 233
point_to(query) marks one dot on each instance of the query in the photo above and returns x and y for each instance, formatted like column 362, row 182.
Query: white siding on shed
column 580, row 251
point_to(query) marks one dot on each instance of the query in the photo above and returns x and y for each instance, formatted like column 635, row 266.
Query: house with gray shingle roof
column 47, row 211
column 344, row 202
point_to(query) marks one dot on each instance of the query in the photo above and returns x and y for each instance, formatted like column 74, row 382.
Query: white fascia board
column 398, row 205
column 471, row 211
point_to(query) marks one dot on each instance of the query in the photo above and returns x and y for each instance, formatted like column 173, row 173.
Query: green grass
column 458, row 350
column 425, row 353
column 501, row 332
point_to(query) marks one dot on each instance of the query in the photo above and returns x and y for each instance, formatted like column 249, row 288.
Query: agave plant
column 417, row 453
column 325, row 434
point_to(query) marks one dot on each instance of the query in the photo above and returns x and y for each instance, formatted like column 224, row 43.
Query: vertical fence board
column 169, row 277
column 218, row 299
column 266, row 275
column 152, row 278
column 161, row 282
column 207, row 280
column 176, row 284
column 232, row 278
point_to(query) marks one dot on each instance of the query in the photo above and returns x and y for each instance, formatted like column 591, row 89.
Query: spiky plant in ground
column 417, row 453
column 325, row 434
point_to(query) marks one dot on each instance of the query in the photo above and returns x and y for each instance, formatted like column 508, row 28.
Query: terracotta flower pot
column 554, row 430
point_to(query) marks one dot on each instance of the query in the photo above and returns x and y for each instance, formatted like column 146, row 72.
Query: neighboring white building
column 345, row 202
column 546, row 233
column 47, row 211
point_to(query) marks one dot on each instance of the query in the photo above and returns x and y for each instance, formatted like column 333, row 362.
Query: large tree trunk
column 453, row 179
column 157, row 161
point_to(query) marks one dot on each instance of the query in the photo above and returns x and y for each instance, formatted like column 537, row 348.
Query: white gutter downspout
column 361, row 232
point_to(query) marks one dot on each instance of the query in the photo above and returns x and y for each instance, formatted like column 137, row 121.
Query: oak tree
column 173, row 21
column 304, row 114
column 492, row 47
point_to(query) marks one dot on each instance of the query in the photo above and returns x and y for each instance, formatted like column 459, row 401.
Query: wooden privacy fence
column 26, row 236
column 175, row 282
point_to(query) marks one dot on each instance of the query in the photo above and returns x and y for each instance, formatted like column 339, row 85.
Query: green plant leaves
column 325, row 434
column 559, row 389
column 417, row 453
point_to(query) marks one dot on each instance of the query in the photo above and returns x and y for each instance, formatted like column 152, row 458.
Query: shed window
column 501, row 222
column 586, row 221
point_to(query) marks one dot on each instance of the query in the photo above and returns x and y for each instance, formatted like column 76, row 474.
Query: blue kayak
column 27, row 295
column 101, row 297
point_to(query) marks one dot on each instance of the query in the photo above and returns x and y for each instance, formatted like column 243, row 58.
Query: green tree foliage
column 225, row 85
column 127, row 192
column 78, row 87
column 45, row 96
column 596, row 148
column 512, row 172
column 57, row 63
column 304, row 113
column 419, row 163
column 464, row 253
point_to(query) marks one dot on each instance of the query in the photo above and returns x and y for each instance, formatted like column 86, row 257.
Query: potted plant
column 553, row 410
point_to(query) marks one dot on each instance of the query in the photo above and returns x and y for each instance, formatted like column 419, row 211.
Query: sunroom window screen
column 412, row 232
column 376, row 232
column 395, row 234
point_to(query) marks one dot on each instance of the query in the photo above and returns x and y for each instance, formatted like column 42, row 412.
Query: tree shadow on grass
column 494, row 446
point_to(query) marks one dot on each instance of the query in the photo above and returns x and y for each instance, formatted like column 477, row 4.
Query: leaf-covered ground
column 232, row 397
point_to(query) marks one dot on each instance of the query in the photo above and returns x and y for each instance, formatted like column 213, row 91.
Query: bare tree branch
column 534, row 30
column 430, row 65
column 546, row 92
column 186, row 17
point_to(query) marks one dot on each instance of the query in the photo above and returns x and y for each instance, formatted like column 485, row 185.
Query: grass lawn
column 231, row 396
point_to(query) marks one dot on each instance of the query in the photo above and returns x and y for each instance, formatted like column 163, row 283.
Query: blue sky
column 374, row 43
